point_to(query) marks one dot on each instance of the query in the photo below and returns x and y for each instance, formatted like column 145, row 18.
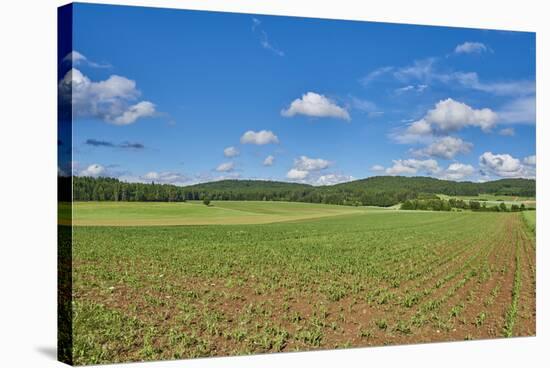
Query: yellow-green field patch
column 196, row 213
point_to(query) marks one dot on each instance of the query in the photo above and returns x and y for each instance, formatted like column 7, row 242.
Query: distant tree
column 475, row 205
column 522, row 207
column 502, row 207
column 206, row 201
column 514, row 208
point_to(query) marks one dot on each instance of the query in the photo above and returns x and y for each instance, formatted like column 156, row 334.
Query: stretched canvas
column 241, row 183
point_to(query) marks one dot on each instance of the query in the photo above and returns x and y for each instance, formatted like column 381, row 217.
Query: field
column 254, row 277
column 491, row 199
column 530, row 219
column 196, row 213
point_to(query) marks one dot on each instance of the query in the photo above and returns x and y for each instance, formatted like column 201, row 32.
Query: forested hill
column 375, row 191
column 422, row 184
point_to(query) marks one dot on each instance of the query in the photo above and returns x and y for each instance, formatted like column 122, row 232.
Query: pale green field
column 196, row 213
column 491, row 199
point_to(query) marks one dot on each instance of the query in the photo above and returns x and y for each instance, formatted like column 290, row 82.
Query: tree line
column 437, row 204
column 377, row 191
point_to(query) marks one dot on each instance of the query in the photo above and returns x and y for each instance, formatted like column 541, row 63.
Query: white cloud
column 331, row 179
column 93, row 170
column 165, row 177
column 520, row 111
column 418, row 131
column 269, row 160
column 76, row 58
column 445, row 147
column 422, row 70
column 264, row 39
column 305, row 166
column 530, row 160
column 413, row 167
column 447, row 116
column 451, row 115
column 226, row 166
column 377, row 168
column 296, row 174
column 375, row 74
column 140, row 110
column 411, row 88
column 457, row 171
column 310, row 164
column 425, row 71
column 508, row 88
column 505, row 166
column 316, row 105
column 108, row 100
column 507, row 132
column 231, row 152
column 260, row 138
column 470, row 47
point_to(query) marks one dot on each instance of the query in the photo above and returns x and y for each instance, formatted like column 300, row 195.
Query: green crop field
column 196, row 213
column 530, row 219
column 251, row 277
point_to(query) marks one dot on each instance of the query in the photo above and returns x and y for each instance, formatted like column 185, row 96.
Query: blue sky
column 177, row 96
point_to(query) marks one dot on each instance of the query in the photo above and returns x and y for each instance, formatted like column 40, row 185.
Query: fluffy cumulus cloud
column 316, row 105
column 418, row 131
column 445, row 147
column 447, row 116
column 110, row 100
column 470, row 48
column 450, row 115
column 413, row 167
column 305, row 166
column 231, row 152
column 93, row 170
column 377, row 168
column 310, row 164
column 506, row 166
column 260, row 138
column 226, row 167
column 457, row 171
column 297, row 174
column 132, row 113
column 269, row 160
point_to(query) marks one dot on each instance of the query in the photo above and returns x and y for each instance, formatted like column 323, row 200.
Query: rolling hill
column 377, row 191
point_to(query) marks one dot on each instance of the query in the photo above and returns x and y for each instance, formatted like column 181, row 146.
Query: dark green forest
column 374, row 191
